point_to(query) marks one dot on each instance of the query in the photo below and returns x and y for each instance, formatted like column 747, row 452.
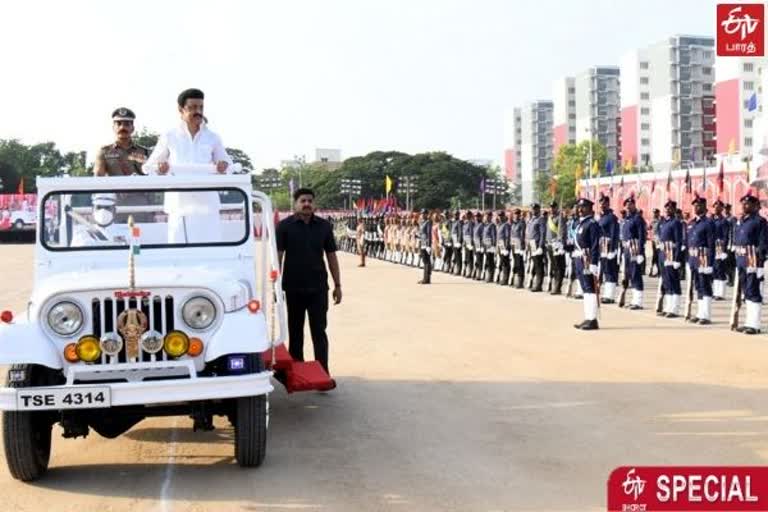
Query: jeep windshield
column 88, row 220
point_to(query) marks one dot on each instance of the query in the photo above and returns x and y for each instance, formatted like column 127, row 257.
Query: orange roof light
column 6, row 317
column 254, row 306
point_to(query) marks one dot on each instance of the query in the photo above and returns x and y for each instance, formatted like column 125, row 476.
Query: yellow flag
column 595, row 169
column 628, row 165
column 732, row 147
column 676, row 158
column 578, row 175
column 387, row 185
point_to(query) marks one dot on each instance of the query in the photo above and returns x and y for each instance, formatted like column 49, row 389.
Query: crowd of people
column 599, row 257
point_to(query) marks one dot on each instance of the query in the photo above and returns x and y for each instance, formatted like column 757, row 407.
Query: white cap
column 104, row 199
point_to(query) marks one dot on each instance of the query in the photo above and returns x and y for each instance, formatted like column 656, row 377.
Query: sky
column 284, row 77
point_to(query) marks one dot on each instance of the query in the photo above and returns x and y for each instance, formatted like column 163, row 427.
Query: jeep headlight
column 198, row 312
column 65, row 318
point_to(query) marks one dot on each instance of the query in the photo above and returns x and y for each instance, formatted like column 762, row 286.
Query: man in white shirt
column 197, row 219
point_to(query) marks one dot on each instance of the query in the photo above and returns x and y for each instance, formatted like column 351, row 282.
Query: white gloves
column 722, row 256
column 538, row 252
column 705, row 270
column 675, row 265
column 640, row 259
column 760, row 273
column 592, row 269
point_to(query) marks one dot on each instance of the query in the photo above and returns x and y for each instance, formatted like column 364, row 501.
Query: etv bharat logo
column 633, row 485
column 741, row 30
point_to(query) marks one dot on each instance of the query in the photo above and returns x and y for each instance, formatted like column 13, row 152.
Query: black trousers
column 426, row 260
column 447, row 258
column 457, row 257
column 479, row 265
column 556, row 270
column 538, row 272
column 314, row 304
column 490, row 266
column 505, row 268
column 518, row 270
column 469, row 262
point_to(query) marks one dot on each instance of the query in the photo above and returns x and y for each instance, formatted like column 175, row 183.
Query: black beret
column 671, row 203
column 718, row 203
column 749, row 198
column 584, row 202
column 535, row 205
column 699, row 200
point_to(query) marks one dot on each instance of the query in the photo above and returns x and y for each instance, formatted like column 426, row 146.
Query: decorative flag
column 482, row 185
column 669, row 180
column 647, row 165
column 752, row 103
column 21, row 186
column 135, row 242
column 387, row 185
column 676, row 158
column 721, row 178
column 595, row 169
column 628, row 165
column 732, row 147
column 290, row 187
column 688, row 182
column 704, row 178
column 693, row 155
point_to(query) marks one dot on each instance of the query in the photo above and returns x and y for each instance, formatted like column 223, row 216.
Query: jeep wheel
column 27, row 434
column 251, row 430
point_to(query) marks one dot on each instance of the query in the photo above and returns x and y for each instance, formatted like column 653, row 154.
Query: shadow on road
column 426, row 445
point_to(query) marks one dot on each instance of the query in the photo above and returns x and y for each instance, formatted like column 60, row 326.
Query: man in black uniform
column 489, row 244
column 504, row 246
column 425, row 246
column 302, row 240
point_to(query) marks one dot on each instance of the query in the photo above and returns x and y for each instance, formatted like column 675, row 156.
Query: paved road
column 458, row 396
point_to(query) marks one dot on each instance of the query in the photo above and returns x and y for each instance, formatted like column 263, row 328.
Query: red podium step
column 297, row 375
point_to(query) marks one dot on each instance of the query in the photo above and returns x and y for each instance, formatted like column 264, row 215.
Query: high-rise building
column 513, row 135
column 535, row 144
column 597, row 108
column 564, row 113
column 668, row 112
column 738, row 101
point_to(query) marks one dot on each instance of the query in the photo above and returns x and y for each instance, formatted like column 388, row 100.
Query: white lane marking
column 165, row 490
column 546, row 405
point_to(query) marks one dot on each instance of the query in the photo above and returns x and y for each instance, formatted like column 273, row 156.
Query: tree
column 146, row 138
column 563, row 178
column 239, row 156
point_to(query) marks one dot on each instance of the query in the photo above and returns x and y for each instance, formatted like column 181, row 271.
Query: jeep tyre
column 251, row 430
column 27, row 434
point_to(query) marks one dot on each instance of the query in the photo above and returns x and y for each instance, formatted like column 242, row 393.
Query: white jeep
column 150, row 299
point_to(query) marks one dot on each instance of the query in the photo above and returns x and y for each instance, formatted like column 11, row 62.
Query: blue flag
column 752, row 104
column 609, row 167
column 482, row 185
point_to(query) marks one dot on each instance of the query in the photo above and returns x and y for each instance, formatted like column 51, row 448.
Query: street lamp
column 408, row 184
column 269, row 184
column 301, row 161
column 351, row 186
column 496, row 187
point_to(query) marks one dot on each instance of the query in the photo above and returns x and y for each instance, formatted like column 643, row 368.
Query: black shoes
column 587, row 325
column 607, row 301
column 671, row 315
column 748, row 330
column 704, row 321
column 634, row 307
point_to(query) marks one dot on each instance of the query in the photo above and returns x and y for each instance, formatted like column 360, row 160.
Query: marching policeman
column 609, row 248
column 730, row 267
column 425, row 246
column 633, row 241
column 701, row 257
column 490, row 233
column 517, row 249
column 445, row 227
column 586, row 256
column 503, row 242
column 671, row 240
column 722, row 237
column 535, row 236
column 556, row 237
column 457, row 240
column 467, row 233
column 477, row 241
column 750, row 242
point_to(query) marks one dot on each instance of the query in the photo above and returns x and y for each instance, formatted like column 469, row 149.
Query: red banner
column 690, row 489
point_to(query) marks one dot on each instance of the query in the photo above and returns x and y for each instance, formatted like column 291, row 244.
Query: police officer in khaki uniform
column 123, row 157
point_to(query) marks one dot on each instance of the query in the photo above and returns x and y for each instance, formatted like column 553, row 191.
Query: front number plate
column 81, row 397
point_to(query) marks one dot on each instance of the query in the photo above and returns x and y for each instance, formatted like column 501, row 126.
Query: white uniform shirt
column 197, row 217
